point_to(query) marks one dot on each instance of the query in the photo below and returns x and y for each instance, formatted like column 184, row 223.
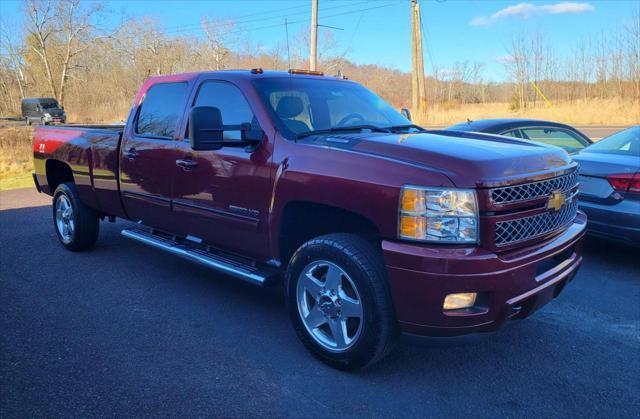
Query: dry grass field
column 16, row 157
column 591, row 112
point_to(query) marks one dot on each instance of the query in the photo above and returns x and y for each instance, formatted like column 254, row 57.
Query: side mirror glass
column 406, row 113
column 205, row 128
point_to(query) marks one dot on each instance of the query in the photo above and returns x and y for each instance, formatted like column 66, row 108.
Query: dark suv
column 42, row 110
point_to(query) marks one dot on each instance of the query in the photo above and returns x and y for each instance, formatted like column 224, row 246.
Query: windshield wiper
column 342, row 129
column 396, row 128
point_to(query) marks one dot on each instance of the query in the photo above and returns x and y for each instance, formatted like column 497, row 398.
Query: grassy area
column 16, row 158
column 16, row 182
column 591, row 112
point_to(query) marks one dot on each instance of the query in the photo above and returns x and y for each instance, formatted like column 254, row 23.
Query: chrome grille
column 533, row 190
column 512, row 231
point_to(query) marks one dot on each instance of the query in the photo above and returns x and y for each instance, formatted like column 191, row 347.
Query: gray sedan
column 610, row 186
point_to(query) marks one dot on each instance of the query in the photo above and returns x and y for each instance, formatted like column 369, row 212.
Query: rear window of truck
column 161, row 110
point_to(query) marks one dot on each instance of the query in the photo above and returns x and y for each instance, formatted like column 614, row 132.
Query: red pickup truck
column 375, row 225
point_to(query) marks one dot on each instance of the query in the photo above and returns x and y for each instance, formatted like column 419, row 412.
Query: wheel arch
column 301, row 221
column 57, row 172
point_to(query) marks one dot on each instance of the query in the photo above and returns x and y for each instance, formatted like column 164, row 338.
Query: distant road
column 597, row 132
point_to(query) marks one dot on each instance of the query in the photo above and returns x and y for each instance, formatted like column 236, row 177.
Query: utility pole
column 313, row 56
column 418, row 92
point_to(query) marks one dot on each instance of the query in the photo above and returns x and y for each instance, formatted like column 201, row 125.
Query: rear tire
column 77, row 226
column 348, row 323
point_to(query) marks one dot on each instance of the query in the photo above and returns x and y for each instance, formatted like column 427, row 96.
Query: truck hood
column 468, row 159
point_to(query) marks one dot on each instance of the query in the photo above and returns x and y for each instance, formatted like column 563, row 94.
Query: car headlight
column 438, row 215
column 48, row 115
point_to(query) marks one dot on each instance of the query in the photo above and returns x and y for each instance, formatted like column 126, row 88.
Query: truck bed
column 89, row 153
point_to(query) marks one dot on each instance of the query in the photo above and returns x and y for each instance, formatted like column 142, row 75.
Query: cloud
column 528, row 10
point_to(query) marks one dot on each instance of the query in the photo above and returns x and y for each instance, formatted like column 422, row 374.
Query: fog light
column 458, row 301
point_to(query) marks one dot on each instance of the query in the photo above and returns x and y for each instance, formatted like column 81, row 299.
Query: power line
column 195, row 26
column 431, row 61
column 249, row 30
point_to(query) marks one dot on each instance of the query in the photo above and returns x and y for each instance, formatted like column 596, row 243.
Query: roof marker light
column 307, row 72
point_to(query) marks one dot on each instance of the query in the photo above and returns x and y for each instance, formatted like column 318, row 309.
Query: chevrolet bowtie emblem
column 556, row 201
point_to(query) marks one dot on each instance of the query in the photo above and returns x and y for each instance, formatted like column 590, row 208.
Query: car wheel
column 339, row 301
column 43, row 122
column 77, row 226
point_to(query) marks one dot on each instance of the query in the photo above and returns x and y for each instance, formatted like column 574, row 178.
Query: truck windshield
column 304, row 105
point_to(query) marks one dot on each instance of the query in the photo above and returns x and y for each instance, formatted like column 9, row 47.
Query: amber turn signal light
column 413, row 227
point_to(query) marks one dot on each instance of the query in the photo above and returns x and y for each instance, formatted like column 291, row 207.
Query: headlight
column 438, row 215
column 48, row 115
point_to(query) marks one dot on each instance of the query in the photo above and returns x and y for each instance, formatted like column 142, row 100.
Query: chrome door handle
column 132, row 154
column 186, row 165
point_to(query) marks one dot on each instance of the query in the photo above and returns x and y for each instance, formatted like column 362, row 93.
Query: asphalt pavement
column 125, row 330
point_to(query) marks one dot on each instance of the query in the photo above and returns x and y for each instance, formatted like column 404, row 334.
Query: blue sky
column 454, row 30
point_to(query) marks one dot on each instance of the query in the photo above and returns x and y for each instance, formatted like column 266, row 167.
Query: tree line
column 66, row 50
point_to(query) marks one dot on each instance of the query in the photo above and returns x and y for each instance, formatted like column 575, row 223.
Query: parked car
column 42, row 110
column 375, row 225
column 610, row 186
column 547, row 132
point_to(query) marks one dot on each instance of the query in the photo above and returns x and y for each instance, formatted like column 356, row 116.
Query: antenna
column 286, row 28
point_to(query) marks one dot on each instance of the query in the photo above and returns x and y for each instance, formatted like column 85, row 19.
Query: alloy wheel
column 64, row 218
column 329, row 305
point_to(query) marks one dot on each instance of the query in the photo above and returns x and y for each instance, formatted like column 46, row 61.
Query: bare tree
column 42, row 15
column 62, row 30
column 632, row 47
column 78, row 32
column 218, row 39
column 15, row 61
column 517, row 64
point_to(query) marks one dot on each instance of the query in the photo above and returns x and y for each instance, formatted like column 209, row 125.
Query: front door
column 223, row 196
column 148, row 155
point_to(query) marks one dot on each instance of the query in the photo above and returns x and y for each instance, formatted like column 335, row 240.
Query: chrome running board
column 222, row 263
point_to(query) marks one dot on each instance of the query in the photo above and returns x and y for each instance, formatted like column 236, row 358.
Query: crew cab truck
column 375, row 226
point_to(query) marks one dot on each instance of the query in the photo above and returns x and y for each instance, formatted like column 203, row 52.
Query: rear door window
column 161, row 110
column 555, row 136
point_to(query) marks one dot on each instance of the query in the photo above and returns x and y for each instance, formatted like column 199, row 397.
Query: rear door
column 148, row 155
column 223, row 196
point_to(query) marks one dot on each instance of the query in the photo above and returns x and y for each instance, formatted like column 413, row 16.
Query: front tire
column 339, row 301
column 77, row 226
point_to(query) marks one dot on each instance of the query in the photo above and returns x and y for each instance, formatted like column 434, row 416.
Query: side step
column 200, row 254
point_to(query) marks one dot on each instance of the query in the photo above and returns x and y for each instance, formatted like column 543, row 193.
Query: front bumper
column 510, row 285
column 58, row 119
